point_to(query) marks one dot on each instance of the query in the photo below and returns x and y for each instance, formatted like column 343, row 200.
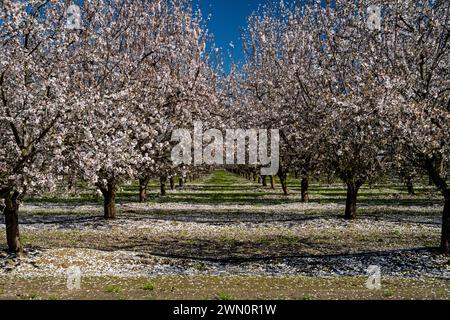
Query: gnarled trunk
column 162, row 185
column 445, row 236
column 109, row 200
column 11, row 213
column 350, row 203
column 304, row 184
column 143, row 183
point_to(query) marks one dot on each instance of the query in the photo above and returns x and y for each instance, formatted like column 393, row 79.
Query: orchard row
column 99, row 103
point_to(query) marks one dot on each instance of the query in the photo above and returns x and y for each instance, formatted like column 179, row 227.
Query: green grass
column 307, row 297
column 33, row 296
column 224, row 296
column 237, row 287
column 222, row 187
column 113, row 289
column 149, row 286
column 388, row 293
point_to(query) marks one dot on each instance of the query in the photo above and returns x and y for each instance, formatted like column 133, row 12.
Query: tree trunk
column 283, row 182
column 284, row 186
column 143, row 189
column 350, row 203
column 180, row 182
column 172, row 183
column 109, row 201
column 409, row 185
column 329, row 179
column 304, row 189
column 264, row 181
column 162, row 185
column 272, row 182
column 70, row 184
column 445, row 236
column 11, row 212
column 441, row 183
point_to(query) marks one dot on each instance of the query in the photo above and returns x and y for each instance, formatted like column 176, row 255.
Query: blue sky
column 228, row 19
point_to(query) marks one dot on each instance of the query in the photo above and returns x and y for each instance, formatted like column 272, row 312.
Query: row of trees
column 99, row 103
column 352, row 100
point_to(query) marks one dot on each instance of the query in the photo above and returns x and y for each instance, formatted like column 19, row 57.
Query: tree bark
column 109, row 201
column 284, row 186
column 70, row 184
column 162, row 185
column 409, row 185
column 304, row 184
column 283, row 182
column 329, row 179
column 172, row 183
column 445, row 236
column 264, row 181
column 350, row 203
column 143, row 183
column 440, row 182
column 11, row 213
column 272, row 182
column 180, row 182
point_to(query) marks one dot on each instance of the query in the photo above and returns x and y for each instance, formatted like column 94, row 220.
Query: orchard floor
column 224, row 237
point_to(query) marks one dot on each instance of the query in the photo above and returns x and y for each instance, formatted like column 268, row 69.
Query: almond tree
column 316, row 73
column 107, row 78
column 355, row 95
column 417, row 47
column 302, row 91
column 179, row 87
column 264, row 79
column 34, row 102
